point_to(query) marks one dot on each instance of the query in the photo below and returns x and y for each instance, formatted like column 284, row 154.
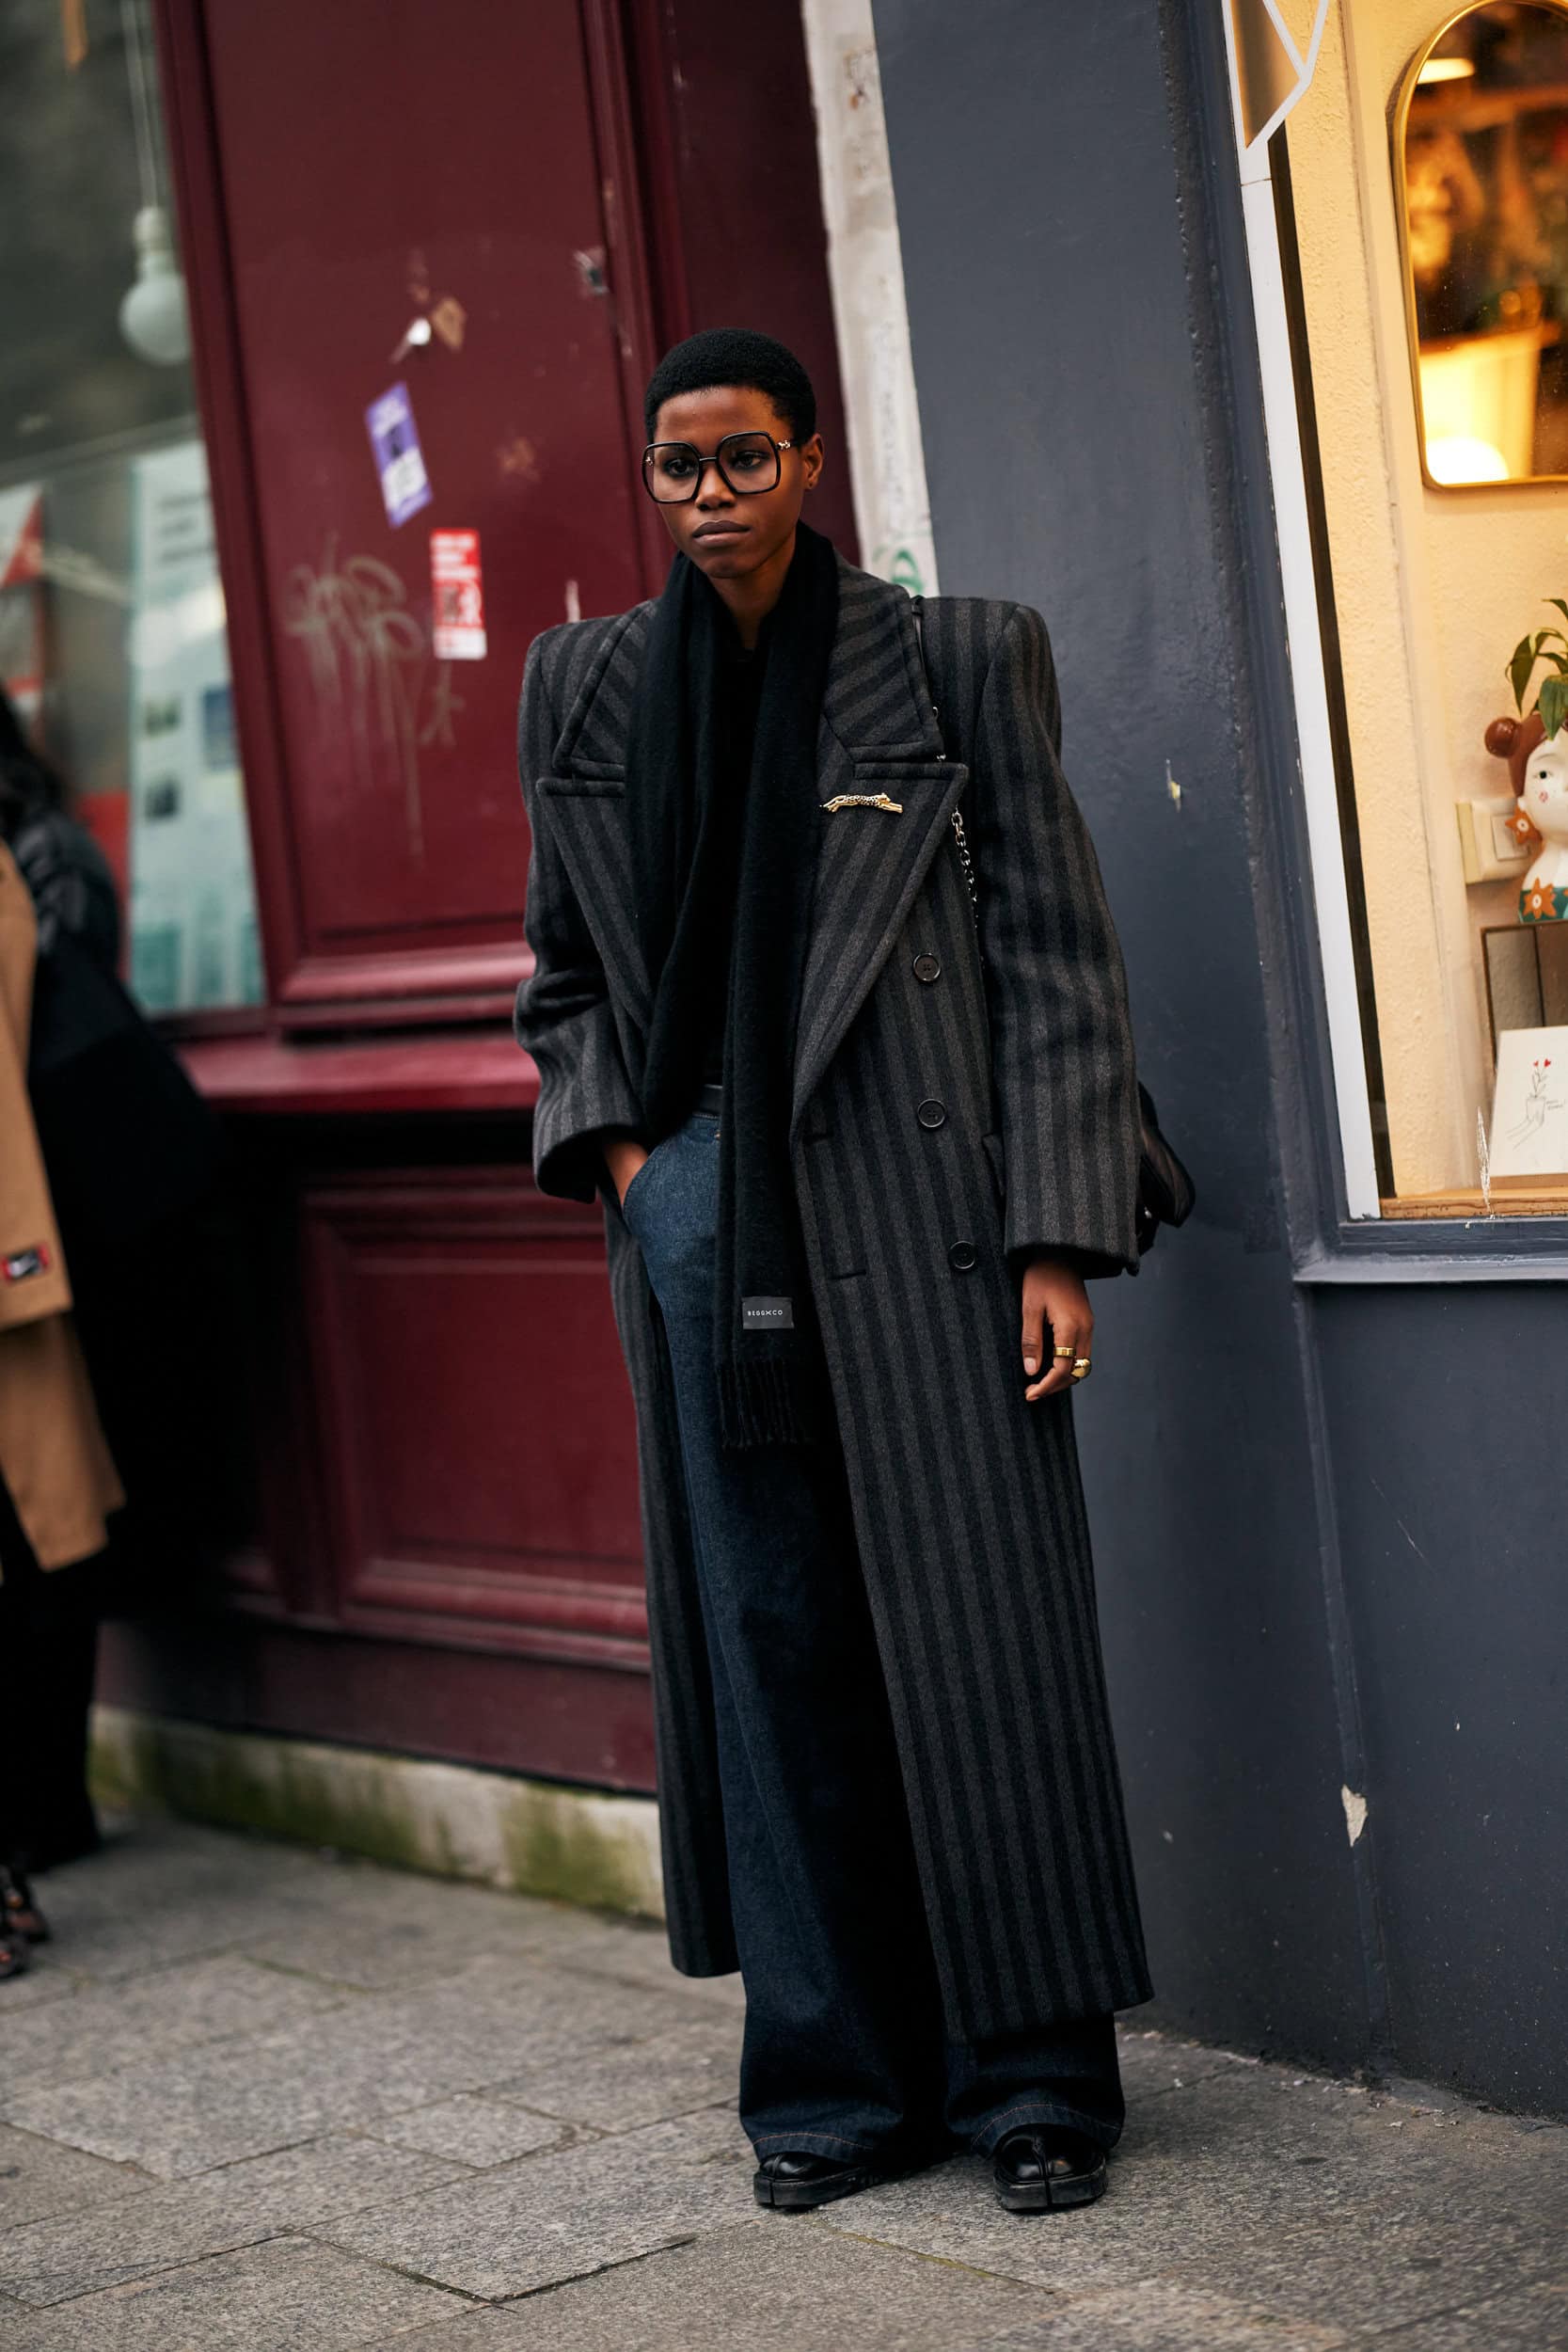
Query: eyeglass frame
column 746, row 432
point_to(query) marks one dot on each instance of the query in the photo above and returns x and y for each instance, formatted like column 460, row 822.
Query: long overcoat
column 54, row 1458
column 963, row 1094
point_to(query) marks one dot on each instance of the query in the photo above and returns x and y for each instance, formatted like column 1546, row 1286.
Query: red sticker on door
column 458, row 591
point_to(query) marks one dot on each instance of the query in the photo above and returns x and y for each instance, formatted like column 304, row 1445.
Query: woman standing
column 58, row 1483
column 857, row 1086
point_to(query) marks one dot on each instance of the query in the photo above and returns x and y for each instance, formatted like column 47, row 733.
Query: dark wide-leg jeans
column 845, row 2051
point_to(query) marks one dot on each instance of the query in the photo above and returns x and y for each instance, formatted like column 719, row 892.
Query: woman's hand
column 1056, row 1316
column 623, row 1156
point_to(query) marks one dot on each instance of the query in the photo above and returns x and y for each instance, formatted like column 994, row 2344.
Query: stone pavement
column 266, row 2100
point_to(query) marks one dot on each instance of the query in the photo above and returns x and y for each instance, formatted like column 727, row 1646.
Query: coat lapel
column 877, row 738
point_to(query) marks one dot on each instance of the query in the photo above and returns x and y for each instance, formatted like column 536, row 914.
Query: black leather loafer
column 794, row 2182
column 1044, row 2169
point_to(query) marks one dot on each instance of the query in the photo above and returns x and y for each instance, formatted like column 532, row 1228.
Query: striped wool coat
column 948, row 1112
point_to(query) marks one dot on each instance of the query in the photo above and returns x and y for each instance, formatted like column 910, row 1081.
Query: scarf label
column 768, row 1315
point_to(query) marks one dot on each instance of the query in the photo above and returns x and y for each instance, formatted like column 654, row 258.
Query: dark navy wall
column 1077, row 460
column 1327, row 1559
column 1442, row 1405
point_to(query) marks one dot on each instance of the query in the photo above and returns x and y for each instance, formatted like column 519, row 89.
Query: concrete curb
column 495, row 1829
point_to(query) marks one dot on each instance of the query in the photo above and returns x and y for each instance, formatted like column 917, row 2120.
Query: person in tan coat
column 57, row 1481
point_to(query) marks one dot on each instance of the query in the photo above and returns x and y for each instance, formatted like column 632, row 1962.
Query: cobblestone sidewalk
column 266, row 2100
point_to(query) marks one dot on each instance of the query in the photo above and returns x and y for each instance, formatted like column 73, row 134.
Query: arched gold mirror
column 1481, row 171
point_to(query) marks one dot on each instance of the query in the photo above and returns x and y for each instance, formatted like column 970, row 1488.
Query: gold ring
column 1081, row 1367
column 1061, row 1351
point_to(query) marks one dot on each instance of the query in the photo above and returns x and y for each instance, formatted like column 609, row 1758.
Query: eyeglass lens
column 749, row 462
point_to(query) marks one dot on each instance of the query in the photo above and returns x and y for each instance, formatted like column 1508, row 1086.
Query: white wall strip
column 865, row 267
column 1309, row 686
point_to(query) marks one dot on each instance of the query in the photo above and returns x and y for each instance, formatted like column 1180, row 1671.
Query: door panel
column 372, row 175
column 481, row 1461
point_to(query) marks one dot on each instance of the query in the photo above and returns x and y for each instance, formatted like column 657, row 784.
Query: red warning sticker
column 458, row 591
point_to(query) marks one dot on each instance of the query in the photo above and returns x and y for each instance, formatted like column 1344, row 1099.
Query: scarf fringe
column 766, row 1404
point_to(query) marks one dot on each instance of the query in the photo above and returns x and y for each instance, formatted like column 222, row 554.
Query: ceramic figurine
column 1538, row 771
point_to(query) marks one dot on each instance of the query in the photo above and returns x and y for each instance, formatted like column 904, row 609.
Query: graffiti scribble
column 443, row 704
column 371, row 670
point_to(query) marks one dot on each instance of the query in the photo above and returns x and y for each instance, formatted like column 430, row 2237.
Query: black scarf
column 728, row 859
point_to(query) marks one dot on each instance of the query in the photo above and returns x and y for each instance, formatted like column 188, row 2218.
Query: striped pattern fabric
column 968, row 1507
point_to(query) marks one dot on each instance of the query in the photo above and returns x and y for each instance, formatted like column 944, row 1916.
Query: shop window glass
column 112, row 634
column 1425, row 231
column 1481, row 143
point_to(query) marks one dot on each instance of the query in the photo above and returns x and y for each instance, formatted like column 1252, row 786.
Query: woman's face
column 728, row 535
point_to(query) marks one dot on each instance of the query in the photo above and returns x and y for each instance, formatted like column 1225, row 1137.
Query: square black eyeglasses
column 748, row 463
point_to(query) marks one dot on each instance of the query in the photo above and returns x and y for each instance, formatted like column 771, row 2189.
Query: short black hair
column 735, row 354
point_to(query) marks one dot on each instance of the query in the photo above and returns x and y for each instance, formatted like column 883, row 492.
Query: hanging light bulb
column 152, row 317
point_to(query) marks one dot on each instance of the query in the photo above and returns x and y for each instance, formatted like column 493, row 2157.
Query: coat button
column 928, row 967
column 963, row 1257
column 931, row 1115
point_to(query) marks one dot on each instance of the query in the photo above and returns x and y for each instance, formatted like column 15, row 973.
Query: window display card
column 1530, row 1109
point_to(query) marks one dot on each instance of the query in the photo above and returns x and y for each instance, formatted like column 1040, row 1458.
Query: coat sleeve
column 1061, row 1039
column 563, row 1017
column 72, row 887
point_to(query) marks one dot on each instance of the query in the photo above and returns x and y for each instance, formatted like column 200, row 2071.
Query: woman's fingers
column 1033, row 1330
column 1058, row 1327
column 1057, row 1374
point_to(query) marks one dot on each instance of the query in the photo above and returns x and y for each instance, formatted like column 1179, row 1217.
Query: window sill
column 1472, row 1205
column 1445, row 1245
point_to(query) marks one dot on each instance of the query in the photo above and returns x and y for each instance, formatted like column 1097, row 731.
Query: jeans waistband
column 710, row 1100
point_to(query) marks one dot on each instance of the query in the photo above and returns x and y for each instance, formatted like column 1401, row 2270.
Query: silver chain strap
column 958, row 833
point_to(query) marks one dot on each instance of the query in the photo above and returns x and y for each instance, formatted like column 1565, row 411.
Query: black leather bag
column 1166, row 1190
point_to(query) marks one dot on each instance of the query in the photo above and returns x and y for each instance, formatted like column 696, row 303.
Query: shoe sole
column 1059, row 2197
column 801, row 2196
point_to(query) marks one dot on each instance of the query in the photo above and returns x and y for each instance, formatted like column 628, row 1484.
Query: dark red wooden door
column 389, row 164
column 450, row 1495
column 446, row 1553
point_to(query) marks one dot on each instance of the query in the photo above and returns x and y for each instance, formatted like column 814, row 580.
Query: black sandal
column 1044, row 2168
column 20, row 1921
